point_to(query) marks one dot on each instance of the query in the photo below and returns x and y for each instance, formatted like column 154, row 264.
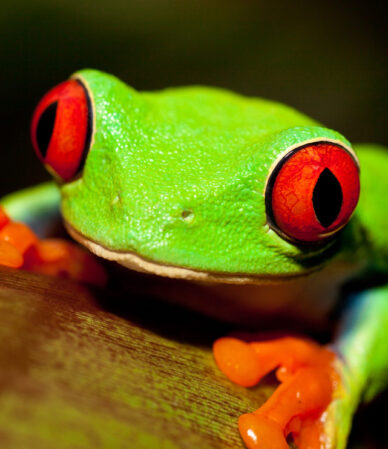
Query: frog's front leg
column 320, row 386
column 363, row 361
column 25, row 217
column 307, row 378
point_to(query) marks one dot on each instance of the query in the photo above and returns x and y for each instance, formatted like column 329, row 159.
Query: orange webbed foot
column 307, row 379
column 21, row 248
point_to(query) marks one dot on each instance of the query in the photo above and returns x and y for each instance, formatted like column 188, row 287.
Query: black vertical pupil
column 327, row 198
column 45, row 127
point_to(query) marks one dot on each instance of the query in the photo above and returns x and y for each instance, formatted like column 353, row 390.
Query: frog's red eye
column 313, row 191
column 61, row 128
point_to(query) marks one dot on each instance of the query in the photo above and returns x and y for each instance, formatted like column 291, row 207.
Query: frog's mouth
column 138, row 263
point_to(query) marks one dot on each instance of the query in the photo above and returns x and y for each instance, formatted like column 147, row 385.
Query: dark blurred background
column 326, row 58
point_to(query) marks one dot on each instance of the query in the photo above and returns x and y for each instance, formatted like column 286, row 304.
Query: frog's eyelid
column 89, row 139
column 91, row 108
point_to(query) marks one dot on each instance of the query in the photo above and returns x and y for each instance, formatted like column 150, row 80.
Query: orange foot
column 21, row 248
column 307, row 380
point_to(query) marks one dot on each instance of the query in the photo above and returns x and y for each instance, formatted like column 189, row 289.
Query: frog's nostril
column 187, row 215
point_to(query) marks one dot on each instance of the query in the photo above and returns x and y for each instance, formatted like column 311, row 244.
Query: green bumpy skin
column 178, row 177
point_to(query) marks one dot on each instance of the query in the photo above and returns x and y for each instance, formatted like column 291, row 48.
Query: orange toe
column 310, row 436
column 237, row 360
column 21, row 248
column 10, row 256
column 18, row 235
column 65, row 259
column 260, row 432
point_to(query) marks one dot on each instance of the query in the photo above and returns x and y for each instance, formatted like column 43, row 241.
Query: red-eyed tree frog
column 260, row 211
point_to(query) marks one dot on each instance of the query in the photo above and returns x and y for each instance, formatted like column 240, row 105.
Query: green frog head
column 196, row 182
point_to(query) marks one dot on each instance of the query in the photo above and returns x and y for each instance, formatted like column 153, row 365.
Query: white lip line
column 135, row 262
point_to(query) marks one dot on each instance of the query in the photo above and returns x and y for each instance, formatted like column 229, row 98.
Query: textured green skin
column 197, row 149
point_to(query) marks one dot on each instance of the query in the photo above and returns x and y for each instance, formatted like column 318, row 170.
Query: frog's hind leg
column 307, row 380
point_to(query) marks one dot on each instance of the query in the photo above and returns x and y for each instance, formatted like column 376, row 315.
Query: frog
column 246, row 210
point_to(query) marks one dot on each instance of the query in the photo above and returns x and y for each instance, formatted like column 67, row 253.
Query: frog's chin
column 138, row 263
